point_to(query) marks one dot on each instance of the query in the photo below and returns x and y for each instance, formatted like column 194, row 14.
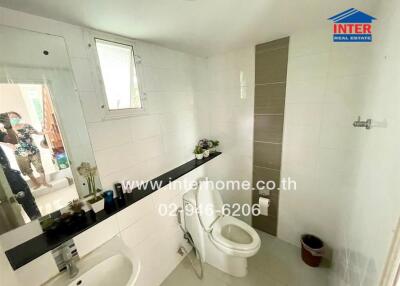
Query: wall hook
column 367, row 123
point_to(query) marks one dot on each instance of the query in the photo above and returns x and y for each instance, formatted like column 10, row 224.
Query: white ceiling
column 201, row 27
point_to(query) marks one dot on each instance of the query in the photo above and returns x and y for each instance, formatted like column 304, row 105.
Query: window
column 118, row 70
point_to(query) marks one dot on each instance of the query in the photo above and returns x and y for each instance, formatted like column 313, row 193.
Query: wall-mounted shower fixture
column 367, row 123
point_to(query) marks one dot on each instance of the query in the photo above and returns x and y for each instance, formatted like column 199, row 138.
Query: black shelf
column 45, row 242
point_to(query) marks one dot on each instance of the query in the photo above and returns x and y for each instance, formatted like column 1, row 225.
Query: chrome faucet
column 69, row 262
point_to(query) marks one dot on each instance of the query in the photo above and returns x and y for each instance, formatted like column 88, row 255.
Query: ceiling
column 200, row 27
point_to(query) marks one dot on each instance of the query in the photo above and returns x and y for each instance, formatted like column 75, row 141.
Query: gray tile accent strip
column 269, row 107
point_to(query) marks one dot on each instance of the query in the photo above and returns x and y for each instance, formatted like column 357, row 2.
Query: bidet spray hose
column 183, row 251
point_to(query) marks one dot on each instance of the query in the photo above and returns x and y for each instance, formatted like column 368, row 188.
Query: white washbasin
column 115, row 270
column 112, row 264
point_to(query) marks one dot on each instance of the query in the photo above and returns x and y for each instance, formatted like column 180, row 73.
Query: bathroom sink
column 115, row 270
column 110, row 264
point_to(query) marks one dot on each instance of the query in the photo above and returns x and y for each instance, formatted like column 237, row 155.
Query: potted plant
column 215, row 144
column 50, row 225
column 88, row 172
column 198, row 152
column 205, row 144
column 209, row 146
column 76, row 208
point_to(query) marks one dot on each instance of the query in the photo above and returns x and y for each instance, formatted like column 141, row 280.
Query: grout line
column 269, row 83
column 261, row 50
column 266, row 142
column 266, row 168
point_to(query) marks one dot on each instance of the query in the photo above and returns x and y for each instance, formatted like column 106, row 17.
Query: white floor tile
column 276, row 264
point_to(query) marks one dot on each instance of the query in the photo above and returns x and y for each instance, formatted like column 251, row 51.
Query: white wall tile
column 140, row 230
column 96, row 236
column 6, row 272
column 310, row 91
column 110, row 133
column 334, row 164
column 114, row 159
column 311, row 42
column 128, row 173
column 308, row 67
column 19, row 235
column 353, row 60
column 143, row 127
column 91, row 106
column 228, row 117
column 135, row 212
column 73, row 35
column 38, row 271
column 304, row 115
column 147, row 148
column 150, row 261
column 83, row 75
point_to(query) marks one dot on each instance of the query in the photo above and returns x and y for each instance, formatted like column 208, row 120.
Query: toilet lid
column 235, row 234
column 209, row 204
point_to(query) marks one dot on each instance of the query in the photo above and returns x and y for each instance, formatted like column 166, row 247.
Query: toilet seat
column 235, row 237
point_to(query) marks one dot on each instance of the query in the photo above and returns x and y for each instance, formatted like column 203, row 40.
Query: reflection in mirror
column 43, row 136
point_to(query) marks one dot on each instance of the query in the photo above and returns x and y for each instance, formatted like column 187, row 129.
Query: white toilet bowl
column 235, row 237
column 224, row 242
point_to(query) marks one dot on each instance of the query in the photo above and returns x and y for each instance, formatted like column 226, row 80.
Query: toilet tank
column 209, row 204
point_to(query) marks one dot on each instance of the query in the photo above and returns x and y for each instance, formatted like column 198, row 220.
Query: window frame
column 108, row 113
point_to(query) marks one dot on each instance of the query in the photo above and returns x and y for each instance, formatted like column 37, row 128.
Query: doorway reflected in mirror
column 39, row 154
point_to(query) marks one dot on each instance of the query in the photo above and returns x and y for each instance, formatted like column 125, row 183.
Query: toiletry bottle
column 109, row 204
column 120, row 194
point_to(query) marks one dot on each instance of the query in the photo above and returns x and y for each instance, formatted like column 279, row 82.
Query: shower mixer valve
column 367, row 123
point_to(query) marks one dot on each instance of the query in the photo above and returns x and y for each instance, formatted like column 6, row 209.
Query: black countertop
column 45, row 242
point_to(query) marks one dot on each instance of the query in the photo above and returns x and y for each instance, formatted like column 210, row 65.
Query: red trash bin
column 312, row 249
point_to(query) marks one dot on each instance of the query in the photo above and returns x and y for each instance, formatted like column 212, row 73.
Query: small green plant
column 198, row 150
column 207, row 144
column 47, row 223
column 215, row 143
column 75, row 206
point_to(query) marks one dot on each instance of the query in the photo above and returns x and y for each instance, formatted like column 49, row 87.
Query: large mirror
column 43, row 135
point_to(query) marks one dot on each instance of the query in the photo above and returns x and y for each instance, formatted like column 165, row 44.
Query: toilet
column 224, row 242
